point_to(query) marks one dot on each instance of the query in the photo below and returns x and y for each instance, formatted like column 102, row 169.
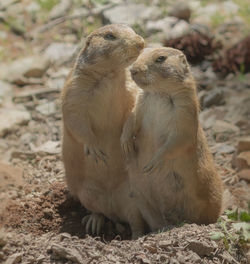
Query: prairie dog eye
column 161, row 59
column 109, row 36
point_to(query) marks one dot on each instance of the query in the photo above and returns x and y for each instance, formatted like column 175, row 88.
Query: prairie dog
column 172, row 173
column 96, row 102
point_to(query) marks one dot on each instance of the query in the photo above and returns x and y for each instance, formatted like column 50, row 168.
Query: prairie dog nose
column 134, row 71
column 139, row 42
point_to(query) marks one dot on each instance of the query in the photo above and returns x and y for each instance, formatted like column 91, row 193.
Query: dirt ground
column 41, row 223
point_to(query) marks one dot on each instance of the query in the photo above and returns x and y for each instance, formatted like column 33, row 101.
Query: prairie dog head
column 110, row 47
column 161, row 70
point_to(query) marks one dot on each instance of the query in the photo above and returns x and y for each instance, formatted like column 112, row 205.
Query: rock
column 206, row 14
column 242, row 161
column 3, row 238
column 60, row 252
column 55, row 83
column 29, row 67
column 10, row 117
column 61, row 9
column 215, row 97
column 243, row 144
column 49, row 147
column 180, row 29
column 10, row 176
column 164, row 244
column 130, row 14
column 180, row 10
column 162, row 25
column 222, row 130
column 14, row 259
column 60, row 53
column 202, row 248
column 225, row 149
column 47, row 108
column 5, row 91
column 33, row 7
column 244, row 175
column 6, row 3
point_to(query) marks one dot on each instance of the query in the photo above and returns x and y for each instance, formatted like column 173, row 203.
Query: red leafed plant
column 195, row 45
column 235, row 59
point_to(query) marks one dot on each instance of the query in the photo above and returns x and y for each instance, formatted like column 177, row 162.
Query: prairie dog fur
column 172, row 173
column 96, row 102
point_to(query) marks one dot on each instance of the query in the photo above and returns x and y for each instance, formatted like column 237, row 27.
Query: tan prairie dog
column 95, row 103
column 172, row 174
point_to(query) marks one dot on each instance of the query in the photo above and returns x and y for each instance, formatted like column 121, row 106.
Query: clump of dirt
column 53, row 211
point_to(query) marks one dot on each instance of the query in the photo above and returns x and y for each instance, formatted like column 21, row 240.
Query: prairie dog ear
column 184, row 62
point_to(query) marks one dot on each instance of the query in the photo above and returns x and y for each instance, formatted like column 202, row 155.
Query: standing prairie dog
column 96, row 102
column 172, row 173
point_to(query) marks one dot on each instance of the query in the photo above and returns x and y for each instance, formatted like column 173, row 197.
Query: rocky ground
column 39, row 221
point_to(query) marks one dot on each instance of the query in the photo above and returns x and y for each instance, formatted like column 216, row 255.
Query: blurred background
column 39, row 40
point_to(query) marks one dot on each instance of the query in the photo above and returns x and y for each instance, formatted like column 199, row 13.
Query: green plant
column 47, row 4
column 235, row 230
column 217, row 19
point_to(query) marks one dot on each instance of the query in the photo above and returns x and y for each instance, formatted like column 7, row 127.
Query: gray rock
column 131, row 14
column 14, row 259
column 33, row 7
column 162, row 25
column 6, row 3
column 224, row 129
column 205, row 14
column 57, row 83
column 180, row 10
column 47, row 108
column 3, row 35
column 224, row 149
column 28, row 67
column 10, row 117
column 3, row 238
column 49, row 147
column 81, row 12
column 180, row 29
column 60, row 53
column 60, row 252
column 201, row 248
column 61, row 9
column 5, row 91
column 215, row 97
column 15, row 9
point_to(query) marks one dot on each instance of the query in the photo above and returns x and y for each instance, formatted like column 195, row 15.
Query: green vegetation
column 244, row 10
column 235, row 230
column 47, row 4
column 217, row 19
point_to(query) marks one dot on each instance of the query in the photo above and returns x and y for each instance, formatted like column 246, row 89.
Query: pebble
column 243, row 144
column 60, row 252
column 130, row 14
column 10, row 117
column 180, row 29
column 242, row 161
column 14, row 259
column 180, row 10
column 60, row 53
column 201, row 248
column 27, row 67
column 215, row 97
column 244, row 175
column 162, row 25
column 47, row 108
column 61, row 9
